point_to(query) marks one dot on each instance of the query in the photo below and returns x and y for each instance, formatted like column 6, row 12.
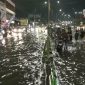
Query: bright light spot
column 23, row 29
column 32, row 30
column 57, row 26
column 58, row 2
column 15, row 39
column 80, row 13
column 45, row 2
column 8, row 35
column 20, row 35
column 7, row 21
column 3, row 42
column 69, row 15
column 20, row 30
column 14, row 34
column 12, row 22
column 83, row 28
column 15, row 30
column 84, row 12
column 78, row 28
column 3, row 31
column 33, row 24
column 1, row 36
column 75, row 12
column 63, row 24
column 20, row 42
column 65, row 15
column 60, row 10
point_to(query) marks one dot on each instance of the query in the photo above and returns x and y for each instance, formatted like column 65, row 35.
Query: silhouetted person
column 59, row 47
column 70, row 34
column 76, row 35
column 65, row 38
column 5, row 34
column 81, row 34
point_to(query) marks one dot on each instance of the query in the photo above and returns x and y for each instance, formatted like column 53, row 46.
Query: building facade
column 2, row 10
column 7, row 10
column 10, row 9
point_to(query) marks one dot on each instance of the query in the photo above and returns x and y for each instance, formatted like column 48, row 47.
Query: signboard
column 24, row 22
column 84, row 12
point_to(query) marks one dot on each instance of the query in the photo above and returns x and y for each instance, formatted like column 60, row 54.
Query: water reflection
column 20, row 60
column 71, row 66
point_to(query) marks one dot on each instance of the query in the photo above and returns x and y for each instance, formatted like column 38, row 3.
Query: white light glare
column 3, row 31
column 69, row 16
column 1, row 36
column 58, row 2
column 75, row 12
column 45, row 2
column 57, row 26
column 60, row 10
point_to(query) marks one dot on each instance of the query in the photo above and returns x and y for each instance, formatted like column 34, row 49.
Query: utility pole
column 49, row 9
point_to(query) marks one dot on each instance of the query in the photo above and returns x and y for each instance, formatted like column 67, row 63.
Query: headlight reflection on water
column 3, row 41
column 1, row 37
column 14, row 30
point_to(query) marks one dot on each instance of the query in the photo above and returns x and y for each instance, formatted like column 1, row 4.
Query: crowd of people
column 64, row 36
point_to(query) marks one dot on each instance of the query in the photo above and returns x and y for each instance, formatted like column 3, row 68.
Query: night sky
column 26, row 7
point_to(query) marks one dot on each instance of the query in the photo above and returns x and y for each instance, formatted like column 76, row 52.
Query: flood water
column 71, row 65
column 21, row 62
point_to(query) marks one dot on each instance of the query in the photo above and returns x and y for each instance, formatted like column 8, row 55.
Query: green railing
column 51, row 73
column 54, row 77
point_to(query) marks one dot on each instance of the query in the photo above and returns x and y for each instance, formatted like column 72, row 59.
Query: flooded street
column 20, row 60
column 71, row 66
column 42, row 42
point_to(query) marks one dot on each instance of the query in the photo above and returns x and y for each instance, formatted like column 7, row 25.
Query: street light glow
column 58, row 2
column 60, row 10
column 75, row 12
column 65, row 15
column 45, row 2
column 69, row 15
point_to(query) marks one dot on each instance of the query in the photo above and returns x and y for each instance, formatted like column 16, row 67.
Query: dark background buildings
column 25, row 7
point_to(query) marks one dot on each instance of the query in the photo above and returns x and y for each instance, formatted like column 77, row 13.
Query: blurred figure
column 59, row 47
column 76, row 35
column 0, row 29
column 81, row 33
column 69, row 34
column 58, row 32
column 5, row 28
column 65, row 39
column 5, row 34
column 0, row 25
column 48, row 72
